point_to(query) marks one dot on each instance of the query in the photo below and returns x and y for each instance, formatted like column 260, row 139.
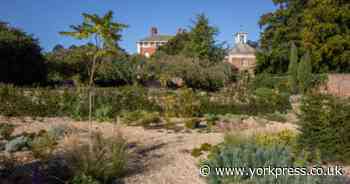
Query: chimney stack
column 154, row 31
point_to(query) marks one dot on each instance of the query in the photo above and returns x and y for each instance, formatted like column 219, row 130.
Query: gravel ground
column 159, row 156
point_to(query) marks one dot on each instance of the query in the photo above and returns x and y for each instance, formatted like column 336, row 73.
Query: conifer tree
column 293, row 69
column 305, row 73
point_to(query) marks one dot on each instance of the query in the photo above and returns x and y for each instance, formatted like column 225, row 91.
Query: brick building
column 148, row 46
column 242, row 55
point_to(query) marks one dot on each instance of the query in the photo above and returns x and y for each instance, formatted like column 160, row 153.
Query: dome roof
column 241, row 48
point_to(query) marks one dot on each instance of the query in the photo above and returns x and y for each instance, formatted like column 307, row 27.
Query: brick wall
column 149, row 50
column 338, row 84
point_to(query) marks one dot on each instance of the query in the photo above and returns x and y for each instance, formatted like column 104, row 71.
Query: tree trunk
column 91, row 93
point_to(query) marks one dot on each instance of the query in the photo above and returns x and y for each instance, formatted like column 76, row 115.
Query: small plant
column 17, row 144
column 43, row 146
column 149, row 119
column 192, row 123
column 105, row 162
column 57, row 132
column 83, row 179
column 283, row 138
column 104, row 113
column 211, row 120
column 131, row 118
column 206, row 147
column 6, row 130
column 276, row 116
column 238, row 152
column 196, row 152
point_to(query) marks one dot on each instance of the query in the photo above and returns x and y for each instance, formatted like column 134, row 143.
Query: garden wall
column 338, row 84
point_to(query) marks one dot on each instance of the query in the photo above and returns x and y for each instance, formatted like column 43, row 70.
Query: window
column 241, row 38
column 245, row 63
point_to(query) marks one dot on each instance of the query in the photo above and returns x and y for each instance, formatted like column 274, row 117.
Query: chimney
column 154, row 31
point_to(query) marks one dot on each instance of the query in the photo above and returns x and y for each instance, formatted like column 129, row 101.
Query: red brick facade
column 149, row 51
column 149, row 45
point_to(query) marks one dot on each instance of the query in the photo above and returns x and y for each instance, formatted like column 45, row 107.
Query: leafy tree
column 305, row 73
column 293, row 69
column 195, row 73
column 21, row 60
column 117, row 73
column 326, row 34
column 70, row 64
column 199, row 42
column 58, row 48
column 176, row 45
column 202, row 43
column 318, row 26
column 106, row 34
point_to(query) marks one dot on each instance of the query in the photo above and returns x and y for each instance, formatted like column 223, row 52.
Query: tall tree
column 305, row 73
column 106, row 35
column 318, row 26
column 202, row 43
column 293, row 69
column 21, row 60
column 326, row 34
column 199, row 42
column 176, row 45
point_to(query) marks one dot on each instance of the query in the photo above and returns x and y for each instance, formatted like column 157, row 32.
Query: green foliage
column 269, row 101
column 106, row 34
column 293, row 69
column 199, row 42
column 196, row 74
column 192, row 123
column 41, row 102
column 238, row 152
column 117, row 72
column 324, row 122
column 83, row 179
column 265, row 80
column 70, row 64
column 276, row 116
column 196, row 152
column 176, row 44
column 43, row 146
column 285, row 138
column 21, row 60
column 205, row 147
column 305, row 74
column 6, row 130
column 150, row 119
column 184, row 103
column 17, row 144
column 106, row 162
column 318, row 26
column 104, row 113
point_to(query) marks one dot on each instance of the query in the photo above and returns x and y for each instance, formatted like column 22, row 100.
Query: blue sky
column 45, row 18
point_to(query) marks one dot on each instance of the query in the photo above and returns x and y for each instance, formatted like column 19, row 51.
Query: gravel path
column 158, row 156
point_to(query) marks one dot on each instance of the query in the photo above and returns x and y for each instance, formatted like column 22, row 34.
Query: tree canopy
column 21, row 60
column 199, row 42
column 320, row 27
column 105, row 33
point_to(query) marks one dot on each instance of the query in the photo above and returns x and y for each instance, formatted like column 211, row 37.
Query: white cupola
column 241, row 38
